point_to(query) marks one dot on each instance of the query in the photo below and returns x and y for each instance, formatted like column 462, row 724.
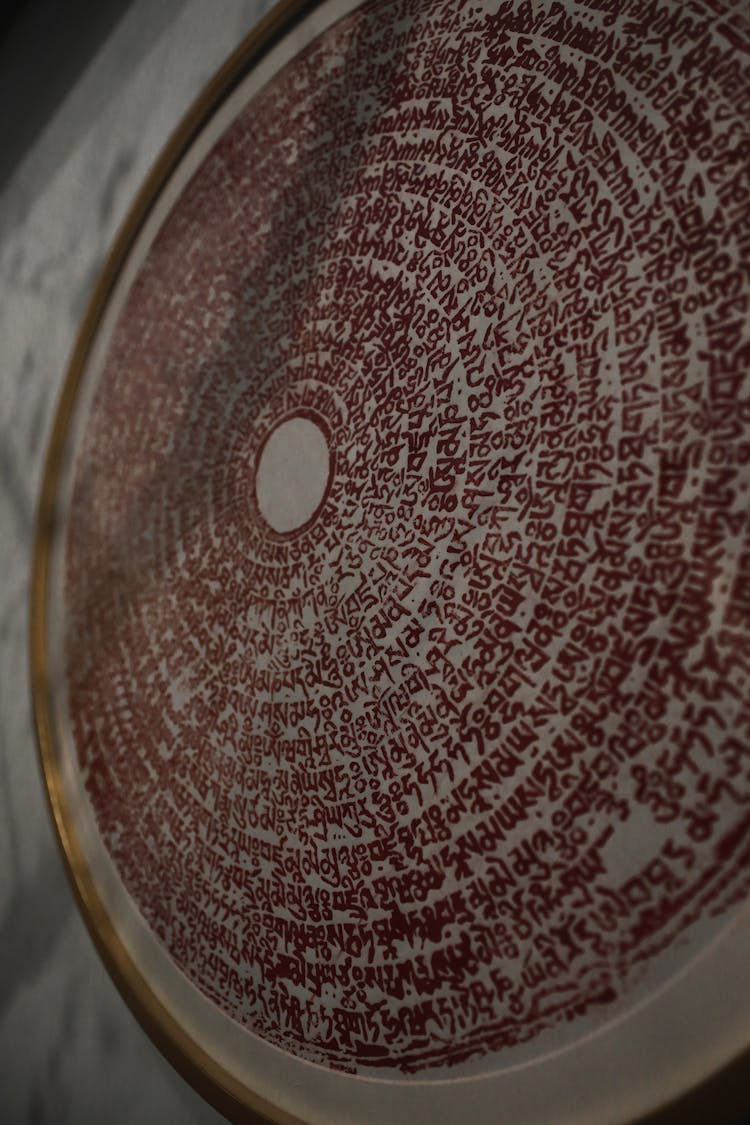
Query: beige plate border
column 723, row 1097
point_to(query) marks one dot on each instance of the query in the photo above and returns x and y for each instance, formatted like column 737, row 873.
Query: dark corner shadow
column 45, row 46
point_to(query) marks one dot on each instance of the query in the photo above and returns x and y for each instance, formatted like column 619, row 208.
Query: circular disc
column 392, row 601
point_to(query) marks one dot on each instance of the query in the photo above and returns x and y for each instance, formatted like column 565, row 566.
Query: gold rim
column 723, row 1095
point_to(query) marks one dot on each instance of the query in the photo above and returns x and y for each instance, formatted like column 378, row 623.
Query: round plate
column 391, row 618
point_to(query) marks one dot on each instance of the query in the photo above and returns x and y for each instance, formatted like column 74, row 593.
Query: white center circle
column 292, row 474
